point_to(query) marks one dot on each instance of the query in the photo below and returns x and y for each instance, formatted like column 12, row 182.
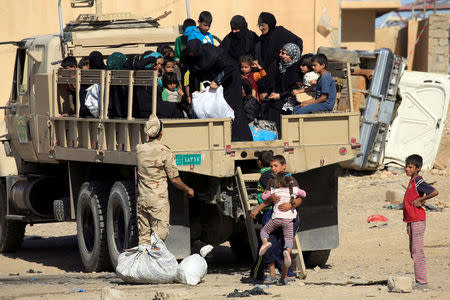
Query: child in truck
column 248, row 66
column 417, row 192
column 201, row 32
column 325, row 89
column 306, row 87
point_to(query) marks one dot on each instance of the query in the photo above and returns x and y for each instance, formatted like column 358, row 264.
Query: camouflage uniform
column 156, row 164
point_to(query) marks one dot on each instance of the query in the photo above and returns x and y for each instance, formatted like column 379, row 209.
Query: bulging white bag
column 193, row 268
column 147, row 263
column 211, row 104
column 92, row 100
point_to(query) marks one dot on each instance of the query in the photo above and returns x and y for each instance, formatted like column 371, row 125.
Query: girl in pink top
column 287, row 193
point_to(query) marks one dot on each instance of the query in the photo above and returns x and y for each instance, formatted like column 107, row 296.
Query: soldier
column 155, row 164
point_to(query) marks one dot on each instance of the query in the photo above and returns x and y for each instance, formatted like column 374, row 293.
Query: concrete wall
column 358, row 29
column 23, row 18
column 438, row 43
column 431, row 52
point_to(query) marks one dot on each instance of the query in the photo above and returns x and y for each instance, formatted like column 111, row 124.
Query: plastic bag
column 92, row 100
column 193, row 268
column 211, row 104
column 147, row 263
column 252, row 108
column 263, row 130
column 324, row 25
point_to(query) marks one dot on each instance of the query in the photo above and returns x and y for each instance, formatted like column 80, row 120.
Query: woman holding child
column 209, row 63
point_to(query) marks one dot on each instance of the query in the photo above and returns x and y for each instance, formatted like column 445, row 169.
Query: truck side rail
column 106, row 79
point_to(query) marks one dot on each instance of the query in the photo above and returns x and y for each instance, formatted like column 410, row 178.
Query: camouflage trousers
column 153, row 216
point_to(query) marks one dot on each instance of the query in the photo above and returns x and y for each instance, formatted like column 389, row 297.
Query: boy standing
column 325, row 89
column 201, row 31
column 417, row 192
column 264, row 159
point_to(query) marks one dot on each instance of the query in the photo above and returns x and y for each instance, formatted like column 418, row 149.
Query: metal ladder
column 298, row 265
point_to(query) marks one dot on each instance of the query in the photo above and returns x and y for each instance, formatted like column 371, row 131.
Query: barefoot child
column 288, row 193
column 417, row 192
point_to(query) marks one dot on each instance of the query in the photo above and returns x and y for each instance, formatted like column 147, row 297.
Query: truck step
column 15, row 217
column 251, row 177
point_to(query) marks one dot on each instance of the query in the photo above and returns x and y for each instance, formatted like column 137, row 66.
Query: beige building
column 358, row 22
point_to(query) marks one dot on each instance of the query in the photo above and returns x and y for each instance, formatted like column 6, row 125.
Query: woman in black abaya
column 209, row 63
column 240, row 41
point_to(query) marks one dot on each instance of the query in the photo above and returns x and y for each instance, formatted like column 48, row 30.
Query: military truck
column 67, row 168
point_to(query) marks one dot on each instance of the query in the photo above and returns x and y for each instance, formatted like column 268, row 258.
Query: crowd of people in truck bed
column 262, row 76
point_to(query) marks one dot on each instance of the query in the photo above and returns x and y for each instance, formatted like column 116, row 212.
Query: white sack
column 147, row 263
column 194, row 267
column 211, row 104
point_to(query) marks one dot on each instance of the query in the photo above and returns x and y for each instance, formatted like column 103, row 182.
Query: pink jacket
column 285, row 197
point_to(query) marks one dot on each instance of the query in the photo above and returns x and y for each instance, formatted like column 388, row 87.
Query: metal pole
column 61, row 30
column 188, row 10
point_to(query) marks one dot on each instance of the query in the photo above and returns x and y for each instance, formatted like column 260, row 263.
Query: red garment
column 253, row 77
column 412, row 213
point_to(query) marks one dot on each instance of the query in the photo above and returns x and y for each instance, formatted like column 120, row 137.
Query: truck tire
column 121, row 225
column 11, row 232
column 316, row 258
column 91, row 226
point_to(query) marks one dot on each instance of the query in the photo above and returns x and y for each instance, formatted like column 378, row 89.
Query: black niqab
column 237, row 44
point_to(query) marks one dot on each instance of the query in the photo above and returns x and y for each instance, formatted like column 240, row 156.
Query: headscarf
column 152, row 127
column 200, row 57
column 267, row 18
column 96, row 61
column 294, row 52
column 116, row 61
column 156, row 55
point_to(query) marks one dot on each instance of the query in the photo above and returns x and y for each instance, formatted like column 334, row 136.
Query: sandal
column 264, row 248
column 270, row 280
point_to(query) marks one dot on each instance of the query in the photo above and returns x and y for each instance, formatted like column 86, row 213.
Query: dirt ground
column 364, row 254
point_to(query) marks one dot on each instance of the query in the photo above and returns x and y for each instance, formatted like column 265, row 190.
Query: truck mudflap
column 319, row 210
column 379, row 110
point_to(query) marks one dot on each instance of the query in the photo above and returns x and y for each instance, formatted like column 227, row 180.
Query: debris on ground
column 376, row 218
column 76, row 290
column 394, row 206
column 399, row 284
column 431, row 207
column 31, row 271
column 256, row 291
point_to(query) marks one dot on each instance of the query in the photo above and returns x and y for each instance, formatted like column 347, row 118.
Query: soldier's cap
column 153, row 127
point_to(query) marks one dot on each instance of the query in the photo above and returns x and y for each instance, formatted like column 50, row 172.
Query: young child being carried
column 325, row 89
column 306, row 88
column 247, row 65
column 417, row 192
column 288, row 193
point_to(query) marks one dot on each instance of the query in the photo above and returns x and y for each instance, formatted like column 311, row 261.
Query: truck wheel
column 11, row 232
column 91, row 226
column 121, row 226
column 316, row 258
